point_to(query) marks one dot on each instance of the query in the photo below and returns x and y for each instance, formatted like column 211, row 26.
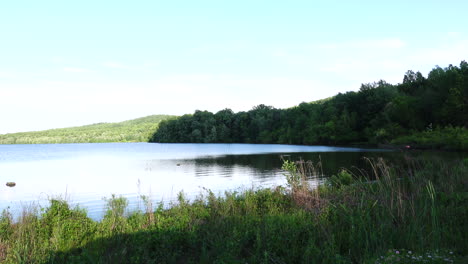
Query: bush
column 343, row 178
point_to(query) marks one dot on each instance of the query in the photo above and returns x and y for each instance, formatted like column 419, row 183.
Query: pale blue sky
column 64, row 64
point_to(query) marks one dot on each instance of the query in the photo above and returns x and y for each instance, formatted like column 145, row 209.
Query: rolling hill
column 135, row 130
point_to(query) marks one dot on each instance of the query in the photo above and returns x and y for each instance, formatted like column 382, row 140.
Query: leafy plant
column 343, row 178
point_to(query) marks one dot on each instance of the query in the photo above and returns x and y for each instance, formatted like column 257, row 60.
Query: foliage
column 293, row 178
column 419, row 209
column 343, row 178
column 449, row 138
column 408, row 256
column 379, row 113
column 423, row 112
column 136, row 130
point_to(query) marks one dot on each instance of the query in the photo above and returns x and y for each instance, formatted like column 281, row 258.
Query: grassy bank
column 136, row 130
column 448, row 138
column 413, row 213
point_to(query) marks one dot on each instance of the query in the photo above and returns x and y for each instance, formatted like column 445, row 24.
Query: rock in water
column 11, row 184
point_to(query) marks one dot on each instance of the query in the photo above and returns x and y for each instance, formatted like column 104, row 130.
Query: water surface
column 86, row 173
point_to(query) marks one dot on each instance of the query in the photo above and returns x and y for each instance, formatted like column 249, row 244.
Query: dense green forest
column 136, row 130
column 429, row 112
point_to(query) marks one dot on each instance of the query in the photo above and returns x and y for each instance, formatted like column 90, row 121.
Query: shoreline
column 418, row 211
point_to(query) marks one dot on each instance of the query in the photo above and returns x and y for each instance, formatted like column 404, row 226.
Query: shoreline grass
column 398, row 214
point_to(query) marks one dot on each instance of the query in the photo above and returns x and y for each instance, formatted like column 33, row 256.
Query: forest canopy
column 427, row 111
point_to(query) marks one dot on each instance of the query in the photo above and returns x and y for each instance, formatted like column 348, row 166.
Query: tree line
column 418, row 108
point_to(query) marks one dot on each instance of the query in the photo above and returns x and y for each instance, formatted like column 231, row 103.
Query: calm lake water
column 86, row 173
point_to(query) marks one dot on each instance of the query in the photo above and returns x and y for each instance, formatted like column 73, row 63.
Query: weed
column 355, row 219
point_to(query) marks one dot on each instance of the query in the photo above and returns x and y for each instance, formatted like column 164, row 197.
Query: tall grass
column 417, row 207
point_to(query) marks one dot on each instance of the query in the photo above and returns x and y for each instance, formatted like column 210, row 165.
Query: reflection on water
column 85, row 173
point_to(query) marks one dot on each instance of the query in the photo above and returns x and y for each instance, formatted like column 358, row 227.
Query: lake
column 86, row 173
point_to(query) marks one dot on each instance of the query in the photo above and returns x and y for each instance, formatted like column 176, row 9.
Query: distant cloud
column 454, row 34
column 77, row 70
column 452, row 52
column 57, row 59
column 7, row 74
column 368, row 61
column 114, row 65
column 390, row 43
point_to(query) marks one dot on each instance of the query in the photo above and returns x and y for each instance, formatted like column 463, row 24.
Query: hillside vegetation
column 426, row 112
column 136, row 130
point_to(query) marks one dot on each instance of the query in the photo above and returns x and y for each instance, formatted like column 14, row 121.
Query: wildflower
column 398, row 252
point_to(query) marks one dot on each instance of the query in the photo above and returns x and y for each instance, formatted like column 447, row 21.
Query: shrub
column 343, row 178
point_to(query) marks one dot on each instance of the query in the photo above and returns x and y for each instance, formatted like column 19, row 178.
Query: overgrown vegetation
column 416, row 209
column 136, row 130
column 439, row 138
column 427, row 112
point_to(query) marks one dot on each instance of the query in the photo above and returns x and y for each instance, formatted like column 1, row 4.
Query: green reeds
column 418, row 207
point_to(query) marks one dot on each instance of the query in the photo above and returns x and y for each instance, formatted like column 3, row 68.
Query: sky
column 70, row 63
